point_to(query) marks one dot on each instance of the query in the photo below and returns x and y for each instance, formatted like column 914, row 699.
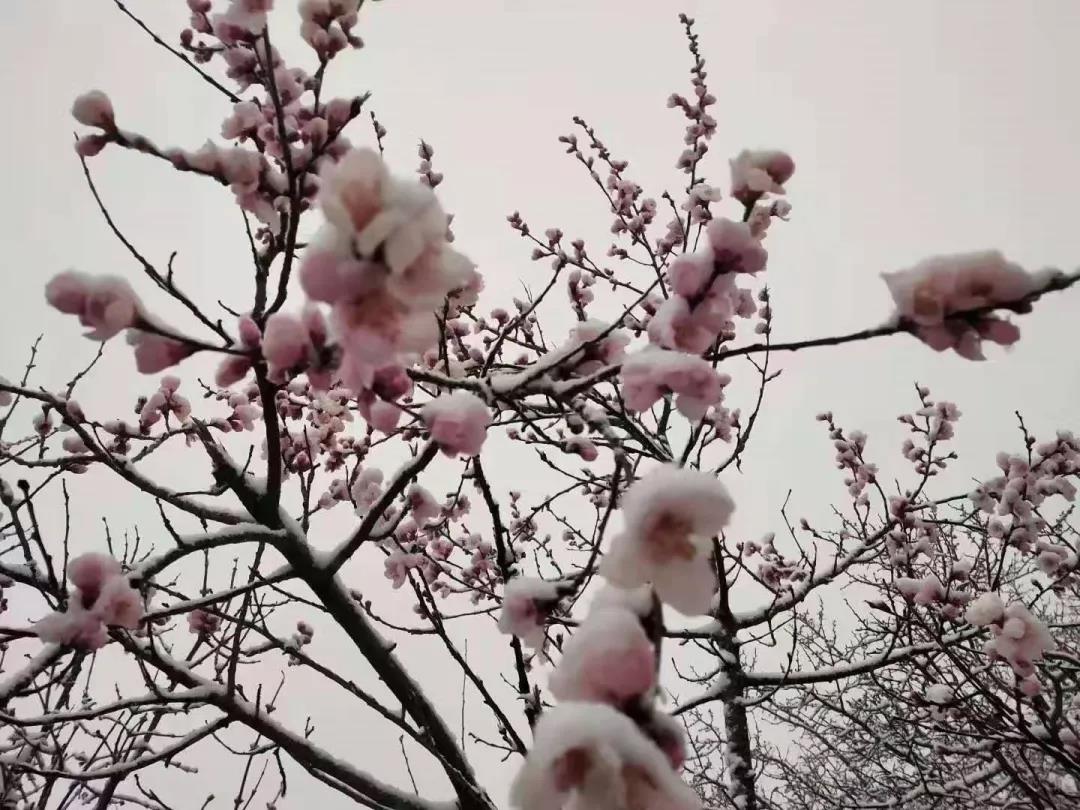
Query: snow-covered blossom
column 94, row 109
column 458, row 422
column 588, row 756
column 102, row 596
column 202, row 622
column 383, row 262
column 609, row 659
column 669, row 518
column 326, row 25
column 1020, row 639
column 652, row 373
column 760, row 171
column 242, row 21
column 398, row 564
column 526, row 605
column 591, row 351
column 155, row 353
column 422, row 504
column 929, row 294
column 105, row 304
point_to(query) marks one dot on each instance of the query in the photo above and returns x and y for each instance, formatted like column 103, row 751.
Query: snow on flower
column 382, row 262
column 202, row 622
column 939, row 694
column 526, row 604
column 652, row 373
column 595, row 757
column 1020, row 639
column 102, row 596
column 596, row 346
column 458, row 422
column 422, row 504
column 609, row 659
column 155, row 353
column 985, row 610
column 669, row 518
column 930, row 293
column 94, row 109
column 760, row 171
column 105, row 304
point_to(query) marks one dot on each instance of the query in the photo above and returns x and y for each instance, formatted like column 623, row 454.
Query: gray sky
column 917, row 128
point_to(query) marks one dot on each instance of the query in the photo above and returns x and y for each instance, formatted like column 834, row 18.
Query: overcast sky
column 917, row 128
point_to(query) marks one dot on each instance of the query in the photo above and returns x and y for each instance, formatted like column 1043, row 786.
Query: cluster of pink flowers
column 591, row 346
column 1013, row 500
column 705, row 298
column 382, row 261
column 929, row 590
column 947, row 300
column 326, row 25
column 105, row 305
column 102, row 597
column 458, row 422
column 650, row 374
column 1018, row 637
column 291, row 343
column 163, row 403
column 932, row 424
column 850, row 457
column 775, row 571
column 605, row 742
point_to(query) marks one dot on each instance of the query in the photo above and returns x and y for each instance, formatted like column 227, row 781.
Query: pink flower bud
column 94, row 110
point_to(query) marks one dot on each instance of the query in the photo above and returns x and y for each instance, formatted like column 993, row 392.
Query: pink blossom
column 90, row 145
column 608, row 660
column 105, row 304
column 598, row 351
column 102, row 596
column 285, row 343
column 76, row 627
column 757, row 172
column 527, row 602
column 422, row 504
column 458, row 422
column 929, row 294
column 735, row 246
column 119, row 604
column 676, row 326
column 589, row 755
column 1020, row 639
column 358, row 196
column 94, row 109
column 670, row 517
column 202, row 622
column 651, row 373
column 398, row 564
column 232, row 370
column 89, row 572
column 155, row 353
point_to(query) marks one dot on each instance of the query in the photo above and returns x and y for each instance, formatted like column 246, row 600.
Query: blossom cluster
column 949, row 300
column 102, row 597
column 606, row 742
column 1018, row 637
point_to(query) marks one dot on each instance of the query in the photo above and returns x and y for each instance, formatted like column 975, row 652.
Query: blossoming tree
column 364, row 374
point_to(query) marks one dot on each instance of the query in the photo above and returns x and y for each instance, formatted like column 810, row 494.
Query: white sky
column 917, row 128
